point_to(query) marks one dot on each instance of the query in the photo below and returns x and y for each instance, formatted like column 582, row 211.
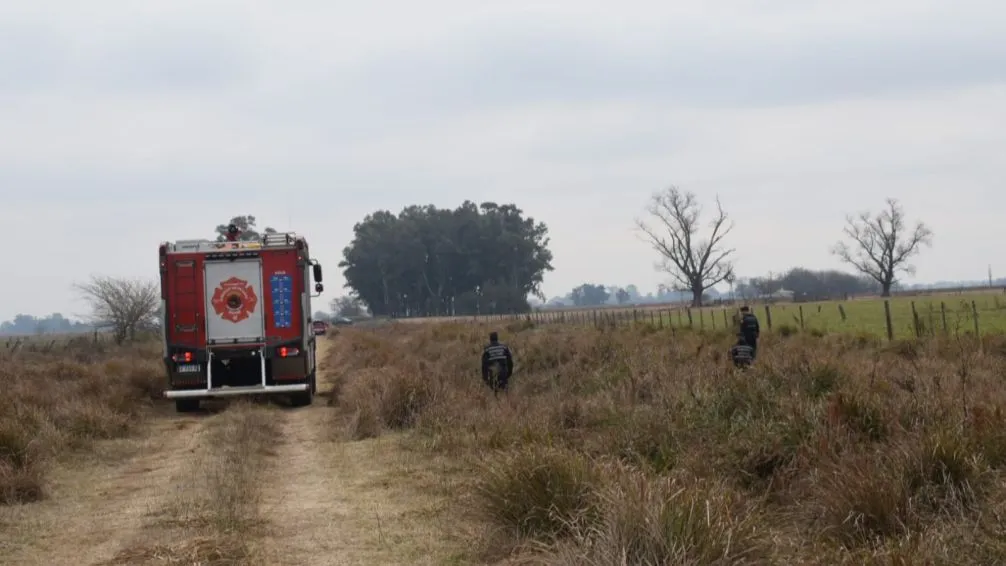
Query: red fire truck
column 237, row 318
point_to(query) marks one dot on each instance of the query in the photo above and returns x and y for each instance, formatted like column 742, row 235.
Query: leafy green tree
column 348, row 307
column 589, row 295
column 427, row 260
column 622, row 296
column 247, row 226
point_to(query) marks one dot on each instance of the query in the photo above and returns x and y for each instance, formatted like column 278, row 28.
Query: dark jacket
column 742, row 354
column 749, row 326
column 497, row 354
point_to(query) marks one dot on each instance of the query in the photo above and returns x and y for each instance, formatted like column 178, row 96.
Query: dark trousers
column 753, row 342
column 497, row 380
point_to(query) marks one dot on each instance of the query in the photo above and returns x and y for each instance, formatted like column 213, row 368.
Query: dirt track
column 324, row 501
column 97, row 504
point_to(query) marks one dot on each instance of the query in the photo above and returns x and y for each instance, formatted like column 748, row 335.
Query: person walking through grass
column 750, row 329
column 497, row 364
column 742, row 353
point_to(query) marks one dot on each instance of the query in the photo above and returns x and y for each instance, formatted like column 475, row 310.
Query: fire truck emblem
column 234, row 300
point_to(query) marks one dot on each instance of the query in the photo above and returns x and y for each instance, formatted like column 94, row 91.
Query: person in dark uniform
column 497, row 364
column 233, row 233
column 741, row 353
column 750, row 329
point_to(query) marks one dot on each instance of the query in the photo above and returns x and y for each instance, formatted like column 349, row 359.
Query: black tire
column 186, row 405
column 303, row 399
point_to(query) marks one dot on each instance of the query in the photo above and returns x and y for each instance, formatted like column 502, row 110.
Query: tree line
column 489, row 258
column 56, row 323
column 807, row 285
column 804, row 284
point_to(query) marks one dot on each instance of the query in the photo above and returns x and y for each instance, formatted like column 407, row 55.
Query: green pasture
column 936, row 314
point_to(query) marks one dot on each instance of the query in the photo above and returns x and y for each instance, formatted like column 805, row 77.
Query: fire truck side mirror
column 318, row 287
column 317, row 273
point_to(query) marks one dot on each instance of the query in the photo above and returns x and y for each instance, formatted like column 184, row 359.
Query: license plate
column 189, row 368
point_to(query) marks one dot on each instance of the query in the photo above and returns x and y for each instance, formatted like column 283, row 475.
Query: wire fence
column 45, row 343
column 899, row 317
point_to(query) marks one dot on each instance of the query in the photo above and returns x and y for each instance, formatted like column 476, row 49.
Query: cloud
column 509, row 70
column 126, row 123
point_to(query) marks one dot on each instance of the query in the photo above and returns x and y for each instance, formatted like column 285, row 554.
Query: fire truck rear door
column 234, row 301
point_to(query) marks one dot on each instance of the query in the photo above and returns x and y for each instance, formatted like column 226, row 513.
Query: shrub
column 538, row 494
column 54, row 400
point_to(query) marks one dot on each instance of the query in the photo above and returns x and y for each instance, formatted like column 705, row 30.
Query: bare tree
column 881, row 245
column 695, row 264
column 122, row 305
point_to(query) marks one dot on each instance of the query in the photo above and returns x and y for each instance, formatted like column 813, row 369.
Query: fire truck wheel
column 302, row 399
column 186, row 405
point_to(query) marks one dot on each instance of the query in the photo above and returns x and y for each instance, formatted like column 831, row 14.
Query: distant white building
column 782, row 295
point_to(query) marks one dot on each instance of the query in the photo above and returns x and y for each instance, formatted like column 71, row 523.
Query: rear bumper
column 236, row 391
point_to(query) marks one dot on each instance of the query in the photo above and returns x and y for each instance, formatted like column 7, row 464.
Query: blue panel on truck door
column 282, row 300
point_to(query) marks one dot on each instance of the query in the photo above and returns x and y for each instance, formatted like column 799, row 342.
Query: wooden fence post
column 887, row 319
column 768, row 317
column 974, row 316
column 915, row 321
column 801, row 317
column 943, row 314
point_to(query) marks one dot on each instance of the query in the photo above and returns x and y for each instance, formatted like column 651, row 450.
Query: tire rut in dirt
column 212, row 516
column 99, row 502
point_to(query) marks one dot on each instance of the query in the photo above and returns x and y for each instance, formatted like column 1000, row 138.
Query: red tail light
column 182, row 357
column 286, row 351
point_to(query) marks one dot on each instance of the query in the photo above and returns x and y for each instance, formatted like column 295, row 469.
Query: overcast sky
column 126, row 123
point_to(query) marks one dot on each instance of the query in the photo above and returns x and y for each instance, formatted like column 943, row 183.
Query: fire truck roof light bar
column 279, row 239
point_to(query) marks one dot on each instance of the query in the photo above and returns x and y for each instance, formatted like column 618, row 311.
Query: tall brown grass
column 62, row 399
column 642, row 446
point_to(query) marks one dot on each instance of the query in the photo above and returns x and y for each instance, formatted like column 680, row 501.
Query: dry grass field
column 624, row 445
column 639, row 446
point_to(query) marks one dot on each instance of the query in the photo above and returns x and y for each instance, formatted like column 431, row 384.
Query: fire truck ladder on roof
column 226, row 391
column 279, row 239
